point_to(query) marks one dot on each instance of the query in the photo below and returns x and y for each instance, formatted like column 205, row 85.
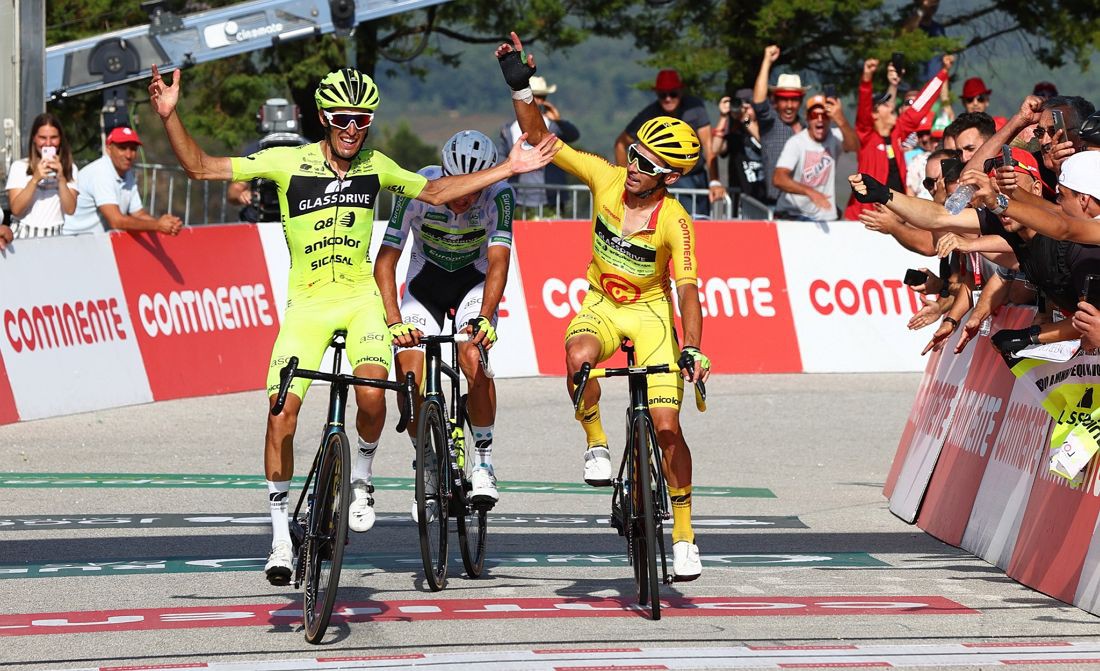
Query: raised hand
column 927, row 314
column 517, row 70
column 869, row 67
column 527, row 160
column 771, row 53
column 1030, row 110
column 162, row 97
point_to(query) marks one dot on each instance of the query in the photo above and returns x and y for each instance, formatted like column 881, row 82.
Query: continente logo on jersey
column 307, row 194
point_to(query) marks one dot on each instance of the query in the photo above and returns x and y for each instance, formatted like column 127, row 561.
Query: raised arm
column 520, row 160
column 1028, row 115
column 760, row 88
column 924, row 214
column 194, row 161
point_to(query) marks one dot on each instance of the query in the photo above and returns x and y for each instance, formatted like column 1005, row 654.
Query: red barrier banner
column 981, row 408
column 202, row 308
column 747, row 324
column 8, row 413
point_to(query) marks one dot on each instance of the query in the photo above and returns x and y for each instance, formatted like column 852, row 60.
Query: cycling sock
column 593, row 427
column 362, row 463
column 278, row 494
column 681, row 514
column 483, row 444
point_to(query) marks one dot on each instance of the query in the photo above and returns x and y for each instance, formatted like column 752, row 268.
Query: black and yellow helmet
column 672, row 140
column 346, row 88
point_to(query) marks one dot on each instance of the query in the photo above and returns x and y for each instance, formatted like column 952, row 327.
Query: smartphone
column 1059, row 123
column 951, row 169
column 917, row 277
column 49, row 151
column 1092, row 290
column 898, row 59
column 1006, row 156
column 830, row 91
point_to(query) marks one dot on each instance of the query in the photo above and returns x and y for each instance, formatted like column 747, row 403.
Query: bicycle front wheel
column 432, row 473
column 327, row 533
column 473, row 523
column 645, row 529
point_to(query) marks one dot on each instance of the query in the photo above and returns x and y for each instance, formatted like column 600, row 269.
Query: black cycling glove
column 516, row 70
column 1010, row 341
column 877, row 192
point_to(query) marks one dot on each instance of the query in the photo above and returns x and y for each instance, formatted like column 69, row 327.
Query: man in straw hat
column 777, row 115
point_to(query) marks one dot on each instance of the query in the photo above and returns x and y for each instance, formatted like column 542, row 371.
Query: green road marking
column 55, row 480
column 408, row 562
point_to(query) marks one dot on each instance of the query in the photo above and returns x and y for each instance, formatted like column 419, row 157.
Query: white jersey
column 449, row 241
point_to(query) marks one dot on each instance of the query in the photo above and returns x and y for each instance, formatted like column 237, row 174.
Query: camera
column 279, row 119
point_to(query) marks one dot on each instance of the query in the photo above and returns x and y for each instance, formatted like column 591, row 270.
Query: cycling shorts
column 433, row 293
column 649, row 325
column 308, row 326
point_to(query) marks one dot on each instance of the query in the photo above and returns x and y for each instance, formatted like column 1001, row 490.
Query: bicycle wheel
column 432, row 472
column 327, row 535
column 645, row 555
column 472, row 524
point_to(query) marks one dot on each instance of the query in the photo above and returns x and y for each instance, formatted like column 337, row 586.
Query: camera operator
column 737, row 136
column 281, row 122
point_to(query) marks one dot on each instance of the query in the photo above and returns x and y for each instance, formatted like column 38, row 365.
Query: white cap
column 1081, row 172
column 540, row 88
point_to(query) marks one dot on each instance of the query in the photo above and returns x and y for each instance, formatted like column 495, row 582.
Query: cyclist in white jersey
column 459, row 260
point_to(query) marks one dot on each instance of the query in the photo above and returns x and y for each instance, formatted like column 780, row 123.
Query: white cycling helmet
column 468, row 151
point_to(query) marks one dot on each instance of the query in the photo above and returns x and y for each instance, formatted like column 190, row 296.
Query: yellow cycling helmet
column 346, row 87
column 672, row 140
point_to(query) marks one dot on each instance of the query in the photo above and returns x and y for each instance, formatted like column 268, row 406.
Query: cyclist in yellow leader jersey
column 638, row 232
column 327, row 192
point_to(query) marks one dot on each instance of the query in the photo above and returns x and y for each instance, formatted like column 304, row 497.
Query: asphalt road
column 135, row 538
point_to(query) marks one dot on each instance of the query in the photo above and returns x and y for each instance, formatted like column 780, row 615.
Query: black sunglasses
column 1040, row 132
column 981, row 99
column 668, row 94
column 929, row 184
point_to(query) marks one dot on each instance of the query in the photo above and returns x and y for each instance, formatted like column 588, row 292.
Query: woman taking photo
column 42, row 187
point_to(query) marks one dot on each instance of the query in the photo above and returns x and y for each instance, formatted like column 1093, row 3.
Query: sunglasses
column 343, row 120
column 930, row 183
column 981, row 99
column 668, row 94
column 1040, row 132
column 645, row 166
column 995, row 163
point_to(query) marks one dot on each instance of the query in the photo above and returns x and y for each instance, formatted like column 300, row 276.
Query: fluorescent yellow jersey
column 632, row 268
column 327, row 221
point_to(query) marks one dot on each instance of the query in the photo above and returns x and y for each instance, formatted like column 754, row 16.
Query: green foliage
column 405, row 147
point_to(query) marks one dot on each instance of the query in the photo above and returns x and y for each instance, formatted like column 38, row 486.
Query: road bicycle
column 443, row 469
column 639, row 497
column 319, row 525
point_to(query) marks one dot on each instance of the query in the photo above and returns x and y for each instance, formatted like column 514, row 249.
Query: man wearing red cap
column 881, row 131
column 109, row 197
column 672, row 102
column 975, row 97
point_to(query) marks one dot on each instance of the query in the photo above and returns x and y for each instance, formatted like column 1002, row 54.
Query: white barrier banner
column 849, row 304
column 68, row 342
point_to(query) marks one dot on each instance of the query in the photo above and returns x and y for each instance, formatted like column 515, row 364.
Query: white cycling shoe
column 597, row 466
column 685, row 561
column 483, row 486
column 361, row 509
column 280, row 564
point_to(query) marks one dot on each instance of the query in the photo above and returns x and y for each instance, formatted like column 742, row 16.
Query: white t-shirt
column 44, row 216
column 811, row 163
column 100, row 184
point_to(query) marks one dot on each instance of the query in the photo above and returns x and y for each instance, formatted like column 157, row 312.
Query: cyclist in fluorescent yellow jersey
column 638, row 232
column 327, row 192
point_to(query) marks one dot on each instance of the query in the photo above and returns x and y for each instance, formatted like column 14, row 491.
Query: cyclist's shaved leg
column 677, row 467
column 581, row 349
column 481, row 403
column 278, row 469
column 369, row 419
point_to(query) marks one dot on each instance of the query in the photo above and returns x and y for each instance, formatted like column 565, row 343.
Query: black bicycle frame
column 434, row 370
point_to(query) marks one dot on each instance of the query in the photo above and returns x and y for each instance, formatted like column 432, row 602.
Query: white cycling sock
column 278, row 494
column 483, row 444
column 364, row 460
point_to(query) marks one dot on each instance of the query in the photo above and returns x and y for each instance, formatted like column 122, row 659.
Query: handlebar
column 286, row 375
column 406, row 408
column 587, row 372
column 482, row 353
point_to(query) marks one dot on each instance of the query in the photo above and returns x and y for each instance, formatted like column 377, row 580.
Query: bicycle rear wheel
column 432, row 473
column 473, row 523
column 645, row 536
column 326, row 536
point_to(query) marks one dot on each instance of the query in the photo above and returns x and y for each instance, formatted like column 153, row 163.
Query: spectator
column 1052, row 152
column 881, row 131
column 530, row 187
column 109, row 197
column 42, row 188
column 777, row 116
column 1045, row 90
column 976, row 96
column 968, row 132
column 672, row 102
column 805, row 169
column 1090, row 132
column 737, row 136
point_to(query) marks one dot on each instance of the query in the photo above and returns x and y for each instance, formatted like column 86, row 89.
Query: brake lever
column 286, row 375
column 580, row 381
column 407, row 409
column 700, row 396
column 483, row 354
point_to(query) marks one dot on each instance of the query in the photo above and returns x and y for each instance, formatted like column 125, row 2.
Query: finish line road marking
column 398, row 561
column 279, row 615
column 205, row 480
column 854, row 656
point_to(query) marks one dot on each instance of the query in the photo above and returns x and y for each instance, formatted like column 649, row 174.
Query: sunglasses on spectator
column 343, row 120
column 645, row 166
column 995, row 163
column 668, row 94
column 818, row 114
column 981, row 99
column 930, row 183
column 1040, row 132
